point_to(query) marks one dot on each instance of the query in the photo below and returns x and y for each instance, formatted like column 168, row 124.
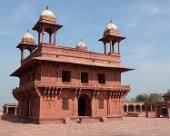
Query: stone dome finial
column 28, row 37
column 47, row 13
column 111, row 29
column 81, row 45
column 111, row 25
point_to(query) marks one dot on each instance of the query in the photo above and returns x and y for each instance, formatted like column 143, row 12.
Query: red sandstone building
column 60, row 83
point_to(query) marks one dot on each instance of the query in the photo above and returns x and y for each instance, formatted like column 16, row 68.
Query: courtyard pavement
column 129, row 126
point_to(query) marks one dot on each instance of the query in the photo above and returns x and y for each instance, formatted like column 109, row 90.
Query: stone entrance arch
column 84, row 106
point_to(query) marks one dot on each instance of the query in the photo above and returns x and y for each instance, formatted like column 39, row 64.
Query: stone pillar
column 54, row 40
column 22, row 55
column 38, row 38
column 42, row 36
column 140, row 108
column 168, row 111
column 50, row 37
column 111, row 47
column 15, row 112
column 158, row 112
column 119, row 47
column 6, row 110
column 134, row 108
column 151, row 108
column 108, row 106
column 105, row 48
column 127, row 108
column 146, row 110
column 93, row 106
column 75, row 106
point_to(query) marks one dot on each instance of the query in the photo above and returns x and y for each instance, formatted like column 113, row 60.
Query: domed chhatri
column 111, row 29
column 111, row 25
column 81, row 45
column 28, row 38
column 47, row 13
column 47, row 23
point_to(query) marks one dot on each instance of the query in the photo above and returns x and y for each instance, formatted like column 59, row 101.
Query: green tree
column 142, row 98
column 155, row 97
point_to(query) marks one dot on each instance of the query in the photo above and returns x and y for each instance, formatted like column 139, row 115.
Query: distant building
column 148, row 109
column 60, row 84
column 10, row 109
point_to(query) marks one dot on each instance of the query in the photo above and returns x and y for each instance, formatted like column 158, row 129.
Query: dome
column 81, row 45
column 111, row 25
column 27, row 37
column 47, row 13
column 111, row 29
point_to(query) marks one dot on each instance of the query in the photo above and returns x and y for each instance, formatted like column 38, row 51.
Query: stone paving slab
column 129, row 126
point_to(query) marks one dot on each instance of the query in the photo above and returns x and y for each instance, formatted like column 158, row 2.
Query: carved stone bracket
column 78, row 92
column 96, row 93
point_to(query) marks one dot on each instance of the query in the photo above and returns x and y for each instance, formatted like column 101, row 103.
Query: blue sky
column 146, row 24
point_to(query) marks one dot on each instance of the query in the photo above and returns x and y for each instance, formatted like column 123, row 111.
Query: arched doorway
column 138, row 109
column 131, row 108
column 84, row 106
column 143, row 108
column 125, row 108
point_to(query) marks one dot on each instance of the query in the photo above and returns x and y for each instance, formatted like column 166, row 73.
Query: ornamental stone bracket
column 96, row 93
column 77, row 92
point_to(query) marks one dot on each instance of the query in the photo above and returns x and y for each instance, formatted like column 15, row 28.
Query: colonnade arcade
column 137, row 107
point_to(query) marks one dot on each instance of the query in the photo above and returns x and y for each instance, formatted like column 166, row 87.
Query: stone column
column 134, row 108
column 105, row 48
column 111, row 47
column 38, row 38
column 168, row 111
column 50, row 37
column 108, row 106
column 75, row 106
column 93, row 106
column 54, row 40
column 146, row 110
column 43, row 36
column 6, row 110
column 22, row 55
column 15, row 112
column 151, row 108
column 156, row 111
column 119, row 47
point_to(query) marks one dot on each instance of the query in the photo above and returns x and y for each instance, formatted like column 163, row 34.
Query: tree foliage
column 142, row 98
column 153, row 97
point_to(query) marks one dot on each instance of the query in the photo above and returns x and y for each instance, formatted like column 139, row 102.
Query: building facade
column 58, row 83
